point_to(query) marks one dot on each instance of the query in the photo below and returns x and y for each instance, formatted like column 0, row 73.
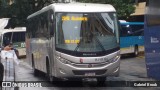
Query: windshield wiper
column 78, row 45
column 99, row 43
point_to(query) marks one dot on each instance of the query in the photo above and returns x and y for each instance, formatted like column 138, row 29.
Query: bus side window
column 129, row 31
column 126, row 31
column 13, row 37
column 138, row 30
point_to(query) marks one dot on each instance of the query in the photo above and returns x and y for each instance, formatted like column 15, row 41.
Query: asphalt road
column 131, row 69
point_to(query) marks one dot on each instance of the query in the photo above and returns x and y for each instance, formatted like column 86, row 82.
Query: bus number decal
column 74, row 18
column 72, row 41
column 65, row 18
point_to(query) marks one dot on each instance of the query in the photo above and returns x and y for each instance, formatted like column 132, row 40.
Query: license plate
column 90, row 74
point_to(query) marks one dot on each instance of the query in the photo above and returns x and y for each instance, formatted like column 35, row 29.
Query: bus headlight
column 115, row 58
column 63, row 60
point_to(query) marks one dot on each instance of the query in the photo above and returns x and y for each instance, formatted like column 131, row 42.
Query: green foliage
column 0, row 3
column 20, row 9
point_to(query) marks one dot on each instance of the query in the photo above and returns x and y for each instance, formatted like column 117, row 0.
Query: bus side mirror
column 51, row 27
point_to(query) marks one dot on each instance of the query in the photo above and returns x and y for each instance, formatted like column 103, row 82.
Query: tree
column 124, row 7
column 17, row 11
column 3, row 8
column 20, row 9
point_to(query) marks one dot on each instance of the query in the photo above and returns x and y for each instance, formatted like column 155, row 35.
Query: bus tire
column 1, row 73
column 101, row 81
column 35, row 71
column 136, row 51
column 48, row 75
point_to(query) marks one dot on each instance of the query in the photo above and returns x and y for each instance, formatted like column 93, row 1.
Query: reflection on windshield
column 86, row 32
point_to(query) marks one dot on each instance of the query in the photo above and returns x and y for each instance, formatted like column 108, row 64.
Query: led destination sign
column 74, row 18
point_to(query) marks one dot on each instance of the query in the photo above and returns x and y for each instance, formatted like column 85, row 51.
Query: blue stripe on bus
column 131, row 40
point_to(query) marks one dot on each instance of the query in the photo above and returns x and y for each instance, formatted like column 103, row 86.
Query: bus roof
column 76, row 7
column 132, row 23
column 2, row 31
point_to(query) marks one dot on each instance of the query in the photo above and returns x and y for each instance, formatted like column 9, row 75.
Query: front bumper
column 77, row 71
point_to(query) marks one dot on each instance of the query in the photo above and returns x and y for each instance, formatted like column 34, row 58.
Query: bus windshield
column 87, row 32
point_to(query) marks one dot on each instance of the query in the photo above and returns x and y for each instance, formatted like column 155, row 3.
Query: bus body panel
column 76, row 7
column 40, row 51
column 128, row 43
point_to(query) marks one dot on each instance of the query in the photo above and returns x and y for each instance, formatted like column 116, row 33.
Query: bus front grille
column 83, row 72
column 93, row 65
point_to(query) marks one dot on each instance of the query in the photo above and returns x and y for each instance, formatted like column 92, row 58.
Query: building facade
column 138, row 15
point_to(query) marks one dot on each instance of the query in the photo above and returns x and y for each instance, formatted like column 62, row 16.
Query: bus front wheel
column 136, row 51
column 35, row 71
column 48, row 72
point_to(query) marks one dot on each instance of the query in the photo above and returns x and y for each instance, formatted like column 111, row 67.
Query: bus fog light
column 58, row 57
column 62, row 71
column 65, row 61
column 116, row 70
column 62, row 60
column 115, row 58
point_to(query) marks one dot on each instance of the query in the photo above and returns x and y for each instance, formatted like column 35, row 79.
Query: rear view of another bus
column 132, row 37
column 16, row 37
